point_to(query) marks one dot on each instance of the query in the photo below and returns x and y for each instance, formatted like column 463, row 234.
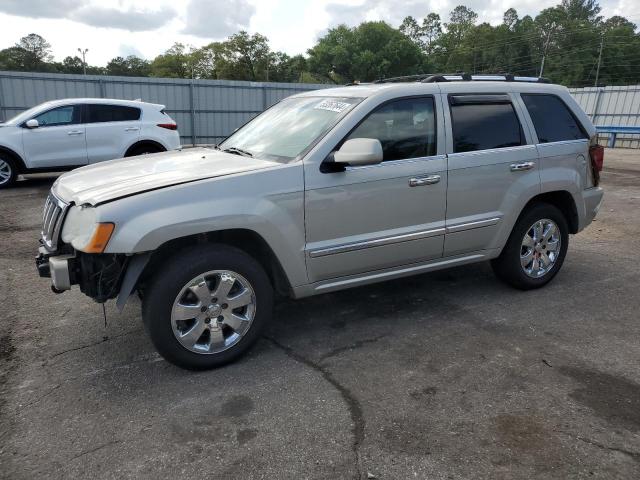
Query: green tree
column 176, row 62
column 37, row 51
column 12, row 58
column 510, row 18
column 412, row 29
column 367, row 52
column 131, row 66
column 32, row 53
column 431, row 30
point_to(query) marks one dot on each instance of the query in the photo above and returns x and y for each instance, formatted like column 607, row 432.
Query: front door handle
column 75, row 132
column 518, row 167
column 421, row 181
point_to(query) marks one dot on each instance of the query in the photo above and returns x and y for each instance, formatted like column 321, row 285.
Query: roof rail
column 498, row 77
column 461, row 76
column 404, row 78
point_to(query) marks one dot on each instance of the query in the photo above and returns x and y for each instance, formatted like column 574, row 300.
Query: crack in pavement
column 353, row 405
column 352, row 346
column 100, row 447
column 106, row 338
column 632, row 454
column 41, row 397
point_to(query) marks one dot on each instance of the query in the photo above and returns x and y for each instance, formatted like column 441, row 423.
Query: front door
column 381, row 216
column 58, row 141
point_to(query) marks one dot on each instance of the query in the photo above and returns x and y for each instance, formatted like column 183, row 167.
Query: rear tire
column 8, row 171
column 536, row 248
column 227, row 293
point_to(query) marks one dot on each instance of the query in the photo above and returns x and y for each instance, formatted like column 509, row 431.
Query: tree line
column 570, row 43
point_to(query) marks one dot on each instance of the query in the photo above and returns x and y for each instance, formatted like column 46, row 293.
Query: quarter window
column 483, row 126
column 406, row 128
column 552, row 119
column 97, row 113
column 66, row 115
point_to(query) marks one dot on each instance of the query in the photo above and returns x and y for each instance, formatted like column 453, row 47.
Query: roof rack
column 465, row 77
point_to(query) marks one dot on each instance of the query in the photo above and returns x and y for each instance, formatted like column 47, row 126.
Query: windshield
column 26, row 115
column 290, row 127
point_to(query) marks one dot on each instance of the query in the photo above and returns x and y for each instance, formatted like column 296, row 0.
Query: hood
column 106, row 181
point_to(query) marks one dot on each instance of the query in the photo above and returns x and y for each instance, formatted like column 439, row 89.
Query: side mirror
column 359, row 151
column 33, row 123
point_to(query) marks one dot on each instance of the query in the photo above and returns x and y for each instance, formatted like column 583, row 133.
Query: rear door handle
column 75, row 132
column 518, row 167
column 421, row 181
column 132, row 129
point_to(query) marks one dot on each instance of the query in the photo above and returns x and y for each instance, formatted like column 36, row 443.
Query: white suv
column 64, row 134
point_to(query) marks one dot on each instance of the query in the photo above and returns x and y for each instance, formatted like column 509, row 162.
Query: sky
column 146, row 28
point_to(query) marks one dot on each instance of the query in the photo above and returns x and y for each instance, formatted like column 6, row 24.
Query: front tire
column 206, row 306
column 536, row 248
column 8, row 172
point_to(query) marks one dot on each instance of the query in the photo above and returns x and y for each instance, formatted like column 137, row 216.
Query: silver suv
column 324, row 191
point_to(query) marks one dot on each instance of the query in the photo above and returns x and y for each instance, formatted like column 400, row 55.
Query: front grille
column 52, row 218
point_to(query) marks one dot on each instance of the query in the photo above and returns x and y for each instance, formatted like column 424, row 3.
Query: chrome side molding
column 470, row 225
column 378, row 242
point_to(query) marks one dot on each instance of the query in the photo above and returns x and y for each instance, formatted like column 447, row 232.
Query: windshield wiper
column 238, row 151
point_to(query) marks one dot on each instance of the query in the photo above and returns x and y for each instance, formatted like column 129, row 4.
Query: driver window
column 57, row 116
column 406, row 128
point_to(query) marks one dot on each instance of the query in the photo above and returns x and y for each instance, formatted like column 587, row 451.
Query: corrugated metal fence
column 612, row 106
column 209, row 110
column 206, row 110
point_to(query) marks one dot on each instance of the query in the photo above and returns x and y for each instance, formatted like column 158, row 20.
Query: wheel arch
column 144, row 143
column 15, row 157
column 249, row 241
column 563, row 201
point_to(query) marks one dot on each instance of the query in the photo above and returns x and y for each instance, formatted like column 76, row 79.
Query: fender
column 269, row 203
column 131, row 276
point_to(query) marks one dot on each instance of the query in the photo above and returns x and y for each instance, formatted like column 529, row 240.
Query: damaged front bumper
column 60, row 268
column 100, row 276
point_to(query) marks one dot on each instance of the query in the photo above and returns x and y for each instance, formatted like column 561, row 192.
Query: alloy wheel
column 540, row 248
column 213, row 311
column 5, row 172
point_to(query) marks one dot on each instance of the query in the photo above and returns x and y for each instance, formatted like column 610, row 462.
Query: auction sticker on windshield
column 332, row 106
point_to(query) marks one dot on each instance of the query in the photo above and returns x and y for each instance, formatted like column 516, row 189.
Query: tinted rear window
column 484, row 126
column 552, row 119
column 111, row 113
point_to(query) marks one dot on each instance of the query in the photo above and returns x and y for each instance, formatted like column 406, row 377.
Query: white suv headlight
column 82, row 230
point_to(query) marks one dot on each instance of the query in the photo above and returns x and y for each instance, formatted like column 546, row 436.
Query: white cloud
column 39, row 8
column 131, row 19
column 217, row 20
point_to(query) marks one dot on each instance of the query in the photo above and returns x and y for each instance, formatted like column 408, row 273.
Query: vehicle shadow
column 336, row 321
column 36, row 180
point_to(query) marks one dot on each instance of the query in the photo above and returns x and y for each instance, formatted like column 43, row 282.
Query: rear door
column 493, row 168
column 111, row 129
column 59, row 140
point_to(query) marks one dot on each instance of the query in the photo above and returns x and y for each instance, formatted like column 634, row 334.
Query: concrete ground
column 446, row 375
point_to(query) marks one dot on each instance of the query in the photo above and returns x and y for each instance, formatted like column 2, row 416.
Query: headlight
column 83, row 232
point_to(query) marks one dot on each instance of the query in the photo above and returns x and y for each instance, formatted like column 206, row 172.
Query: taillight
column 168, row 126
column 596, row 152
